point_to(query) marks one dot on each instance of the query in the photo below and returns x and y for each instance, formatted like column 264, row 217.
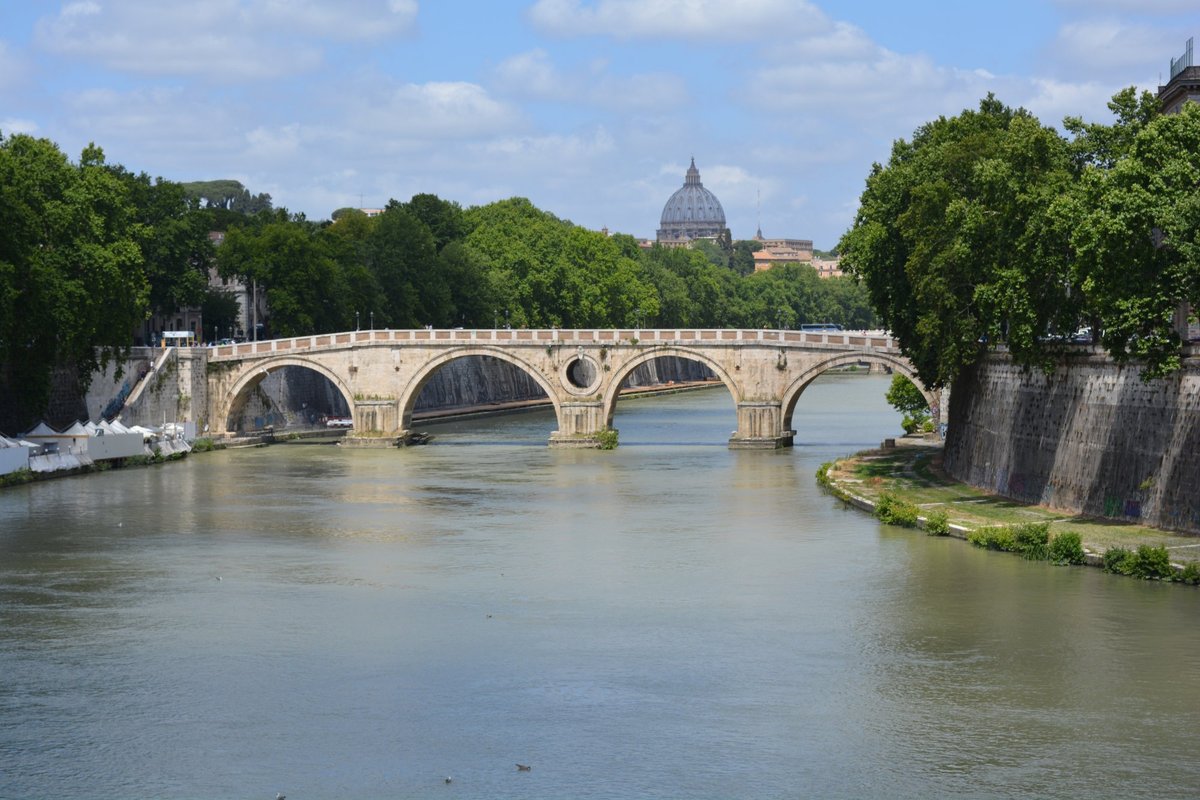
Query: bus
column 178, row 339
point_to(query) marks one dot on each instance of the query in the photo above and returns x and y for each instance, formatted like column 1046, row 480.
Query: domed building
column 693, row 212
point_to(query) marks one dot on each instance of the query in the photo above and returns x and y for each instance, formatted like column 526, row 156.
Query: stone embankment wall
column 1090, row 438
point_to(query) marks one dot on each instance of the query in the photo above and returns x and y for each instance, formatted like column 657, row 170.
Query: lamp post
column 355, row 320
column 372, row 319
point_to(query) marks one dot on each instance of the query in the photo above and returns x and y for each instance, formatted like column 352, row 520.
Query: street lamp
column 355, row 320
column 372, row 319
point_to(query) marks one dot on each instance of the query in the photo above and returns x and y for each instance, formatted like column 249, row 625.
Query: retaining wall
column 1090, row 438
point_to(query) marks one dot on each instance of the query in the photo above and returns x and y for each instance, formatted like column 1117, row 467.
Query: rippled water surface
column 671, row 619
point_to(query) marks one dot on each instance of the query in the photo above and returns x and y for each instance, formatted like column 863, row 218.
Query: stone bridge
column 381, row 372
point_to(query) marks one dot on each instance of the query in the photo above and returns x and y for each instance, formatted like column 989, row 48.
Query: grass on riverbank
column 914, row 474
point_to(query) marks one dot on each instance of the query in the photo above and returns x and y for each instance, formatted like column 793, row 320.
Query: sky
column 592, row 109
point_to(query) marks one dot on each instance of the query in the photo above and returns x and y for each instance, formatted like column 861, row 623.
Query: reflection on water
column 668, row 619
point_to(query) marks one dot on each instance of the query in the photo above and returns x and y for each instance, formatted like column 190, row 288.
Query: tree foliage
column 72, row 284
column 229, row 195
column 990, row 228
column 955, row 242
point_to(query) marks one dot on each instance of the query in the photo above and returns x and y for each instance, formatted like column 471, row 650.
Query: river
column 669, row 619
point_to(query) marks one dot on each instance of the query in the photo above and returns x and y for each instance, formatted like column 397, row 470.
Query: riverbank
column 911, row 471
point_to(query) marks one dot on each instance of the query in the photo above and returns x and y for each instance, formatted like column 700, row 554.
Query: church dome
column 692, row 212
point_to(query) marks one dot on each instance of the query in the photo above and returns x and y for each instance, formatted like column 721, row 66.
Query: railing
column 550, row 336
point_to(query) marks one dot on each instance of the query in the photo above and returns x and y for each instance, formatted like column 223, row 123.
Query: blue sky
column 590, row 108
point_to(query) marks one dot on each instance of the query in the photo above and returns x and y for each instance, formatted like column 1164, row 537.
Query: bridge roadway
column 381, row 372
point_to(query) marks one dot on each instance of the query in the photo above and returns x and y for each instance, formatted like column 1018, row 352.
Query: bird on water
column 524, row 767
column 449, row 779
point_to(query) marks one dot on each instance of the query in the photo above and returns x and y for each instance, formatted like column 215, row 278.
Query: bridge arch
column 239, row 393
column 899, row 364
column 408, row 397
column 613, row 390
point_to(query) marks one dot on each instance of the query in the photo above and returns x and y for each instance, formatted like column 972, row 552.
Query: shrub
column 1031, row 540
column 202, row 445
column 894, row 511
column 607, row 439
column 997, row 538
column 1066, row 548
column 823, row 473
column 1190, row 574
column 16, row 477
column 1118, row 560
column 1152, row 563
column 938, row 523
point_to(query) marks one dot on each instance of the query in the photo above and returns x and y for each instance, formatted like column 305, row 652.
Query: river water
column 670, row 619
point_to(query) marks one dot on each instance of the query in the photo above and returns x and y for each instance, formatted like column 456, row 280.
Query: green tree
column 403, row 258
column 220, row 310
column 229, row 195
column 904, row 396
column 957, row 244
column 1137, row 232
column 443, row 217
column 72, row 286
column 173, row 235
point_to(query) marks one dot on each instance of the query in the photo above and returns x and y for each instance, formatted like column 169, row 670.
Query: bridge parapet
column 420, row 337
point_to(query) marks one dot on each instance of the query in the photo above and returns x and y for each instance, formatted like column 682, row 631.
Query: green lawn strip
column 913, row 474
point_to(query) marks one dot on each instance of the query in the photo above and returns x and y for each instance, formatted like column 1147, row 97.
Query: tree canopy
column 989, row 227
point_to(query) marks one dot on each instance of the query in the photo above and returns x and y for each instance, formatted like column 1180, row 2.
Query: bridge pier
column 579, row 425
column 376, row 424
column 760, row 427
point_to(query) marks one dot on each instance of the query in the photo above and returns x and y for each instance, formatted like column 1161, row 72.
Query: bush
column 1118, row 560
column 894, row 511
column 1032, row 539
column 1147, row 563
column 1190, row 574
column 823, row 473
column 997, row 538
column 16, row 477
column 1152, row 563
column 607, row 439
column 202, row 445
column 938, row 523
column 1066, row 548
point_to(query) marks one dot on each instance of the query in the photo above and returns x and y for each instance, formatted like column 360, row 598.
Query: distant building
column 1183, row 85
column 692, row 212
column 773, row 252
column 827, row 267
column 252, row 303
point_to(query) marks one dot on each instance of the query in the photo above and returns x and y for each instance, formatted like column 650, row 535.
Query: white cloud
column 434, row 111
column 218, row 39
column 722, row 20
column 1113, row 46
column 557, row 153
column 1051, row 100
column 11, row 125
column 532, row 75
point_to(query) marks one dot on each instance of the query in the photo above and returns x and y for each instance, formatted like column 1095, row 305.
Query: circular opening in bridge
column 582, row 372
